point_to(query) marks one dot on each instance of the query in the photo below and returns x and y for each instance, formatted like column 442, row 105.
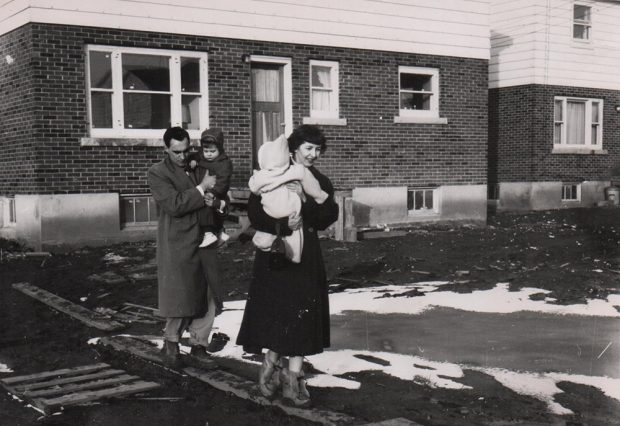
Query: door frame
column 287, row 86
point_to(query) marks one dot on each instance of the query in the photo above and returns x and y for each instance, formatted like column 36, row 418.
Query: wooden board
column 143, row 348
column 247, row 389
column 50, row 391
column 88, row 317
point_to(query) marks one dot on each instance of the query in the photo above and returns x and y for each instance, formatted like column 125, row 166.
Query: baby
column 278, row 201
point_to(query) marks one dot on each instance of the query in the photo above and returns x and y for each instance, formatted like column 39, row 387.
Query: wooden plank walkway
column 88, row 317
column 247, row 389
column 50, row 391
column 141, row 347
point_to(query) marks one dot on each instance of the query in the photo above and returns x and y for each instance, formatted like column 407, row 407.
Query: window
column 418, row 91
column 578, row 123
column 12, row 212
column 421, row 200
column 582, row 22
column 138, row 210
column 324, row 89
column 571, row 192
column 139, row 92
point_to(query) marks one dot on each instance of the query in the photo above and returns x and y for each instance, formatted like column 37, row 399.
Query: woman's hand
column 295, row 186
column 294, row 221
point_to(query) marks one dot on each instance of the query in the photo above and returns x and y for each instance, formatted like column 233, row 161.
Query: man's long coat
column 181, row 283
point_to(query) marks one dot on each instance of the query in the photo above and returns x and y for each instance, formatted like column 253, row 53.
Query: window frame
column 583, row 23
column 577, row 192
column 587, row 146
column 433, row 112
column 152, row 216
column 174, row 65
column 423, row 211
column 334, row 111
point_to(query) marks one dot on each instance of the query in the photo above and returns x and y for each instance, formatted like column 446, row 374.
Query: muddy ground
column 573, row 253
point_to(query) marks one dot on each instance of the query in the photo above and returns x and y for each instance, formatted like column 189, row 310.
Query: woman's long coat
column 182, row 286
column 287, row 310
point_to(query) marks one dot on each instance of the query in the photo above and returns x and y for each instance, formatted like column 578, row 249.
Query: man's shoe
column 217, row 343
column 171, row 355
column 200, row 358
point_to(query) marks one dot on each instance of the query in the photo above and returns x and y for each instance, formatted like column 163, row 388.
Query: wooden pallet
column 51, row 391
column 88, row 317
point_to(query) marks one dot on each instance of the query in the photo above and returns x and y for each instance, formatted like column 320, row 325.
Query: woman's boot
column 269, row 376
column 294, row 388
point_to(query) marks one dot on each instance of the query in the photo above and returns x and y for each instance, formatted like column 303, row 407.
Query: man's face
column 178, row 151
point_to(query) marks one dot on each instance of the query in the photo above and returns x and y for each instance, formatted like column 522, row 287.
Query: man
column 183, row 270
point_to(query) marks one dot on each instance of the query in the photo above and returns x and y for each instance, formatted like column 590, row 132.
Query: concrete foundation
column 532, row 196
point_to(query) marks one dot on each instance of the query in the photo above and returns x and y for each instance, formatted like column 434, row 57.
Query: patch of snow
column 5, row 368
column 83, row 299
column 113, row 258
column 329, row 381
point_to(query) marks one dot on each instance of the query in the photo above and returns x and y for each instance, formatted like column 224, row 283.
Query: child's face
column 210, row 152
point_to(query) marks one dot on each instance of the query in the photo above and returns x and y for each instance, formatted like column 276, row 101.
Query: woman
column 287, row 310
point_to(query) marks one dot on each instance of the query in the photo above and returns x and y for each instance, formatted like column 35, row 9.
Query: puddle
column 520, row 341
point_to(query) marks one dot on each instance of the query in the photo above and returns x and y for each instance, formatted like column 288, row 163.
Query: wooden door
column 267, row 105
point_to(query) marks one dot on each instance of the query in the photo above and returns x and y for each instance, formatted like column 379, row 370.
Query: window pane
column 418, row 82
column 415, row 101
column 581, row 13
column 321, row 77
column 418, row 200
column 594, row 135
column 190, row 111
column 142, row 213
column 190, row 75
column 144, row 111
column 145, row 72
column 101, row 109
column 100, row 70
column 557, row 116
column 266, row 85
column 429, row 199
column 575, row 120
column 321, row 100
column 409, row 200
column 127, row 215
column 595, row 111
column 581, row 32
column 557, row 134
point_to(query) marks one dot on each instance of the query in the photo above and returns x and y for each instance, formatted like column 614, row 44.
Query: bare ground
column 556, row 251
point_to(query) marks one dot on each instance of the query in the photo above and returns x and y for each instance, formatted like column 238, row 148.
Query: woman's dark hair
column 176, row 133
column 307, row 133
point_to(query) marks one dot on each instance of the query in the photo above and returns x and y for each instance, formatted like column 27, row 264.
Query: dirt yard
column 574, row 254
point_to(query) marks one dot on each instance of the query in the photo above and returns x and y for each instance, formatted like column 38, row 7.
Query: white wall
column 532, row 43
column 447, row 27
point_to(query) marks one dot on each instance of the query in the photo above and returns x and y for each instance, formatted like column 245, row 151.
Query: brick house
column 87, row 86
column 554, row 103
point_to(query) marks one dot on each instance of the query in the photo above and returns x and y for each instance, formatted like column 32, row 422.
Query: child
column 278, row 201
column 214, row 161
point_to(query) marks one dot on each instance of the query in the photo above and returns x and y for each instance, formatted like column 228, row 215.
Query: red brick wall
column 17, row 157
column 521, row 136
column 370, row 151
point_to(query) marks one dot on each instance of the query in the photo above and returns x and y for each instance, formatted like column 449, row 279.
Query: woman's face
column 307, row 154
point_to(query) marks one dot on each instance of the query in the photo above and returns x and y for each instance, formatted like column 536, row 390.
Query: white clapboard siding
column 450, row 27
column 558, row 59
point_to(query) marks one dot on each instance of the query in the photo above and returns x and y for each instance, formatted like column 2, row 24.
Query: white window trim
column 287, row 86
column 118, row 131
column 574, row 22
column 152, row 215
column 425, row 212
column 433, row 112
column 334, row 112
column 563, row 147
column 578, row 195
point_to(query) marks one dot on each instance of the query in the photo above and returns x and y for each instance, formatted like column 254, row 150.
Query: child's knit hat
column 213, row 136
column 274, row 154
